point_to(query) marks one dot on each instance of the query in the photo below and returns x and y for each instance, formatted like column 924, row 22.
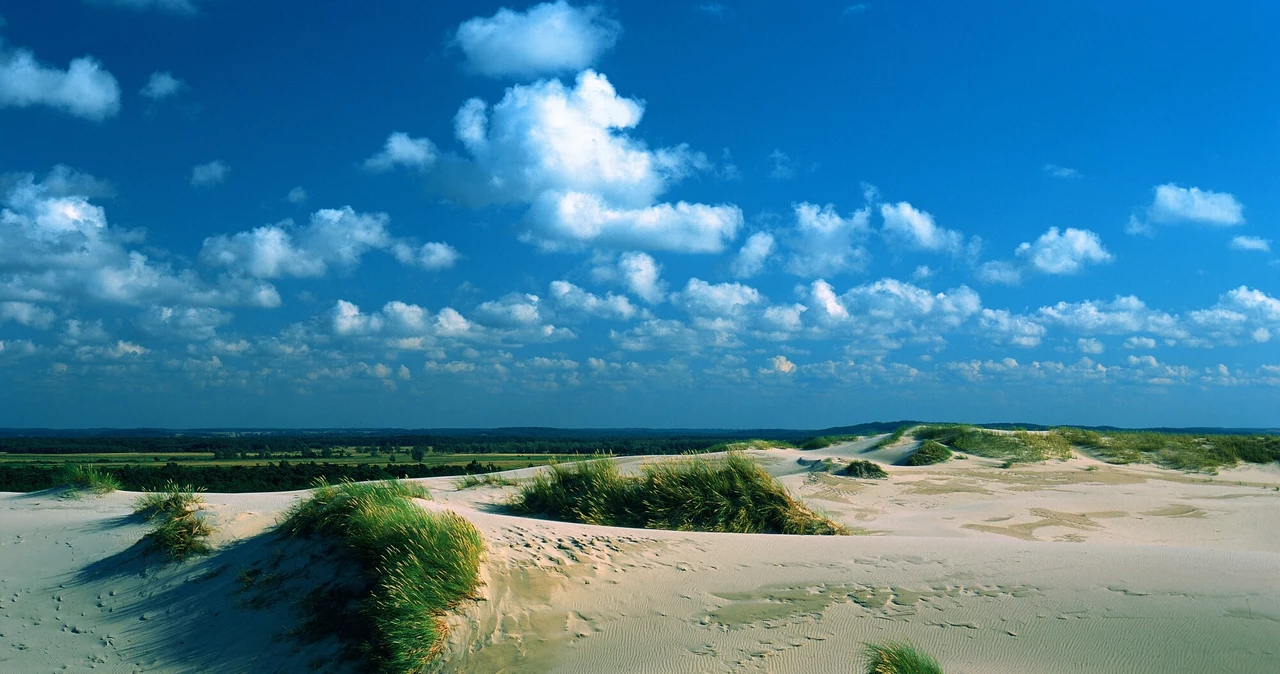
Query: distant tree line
column 324, row 446
column 281, row 476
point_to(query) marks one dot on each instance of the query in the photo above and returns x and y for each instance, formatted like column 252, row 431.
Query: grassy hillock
column 1175, row 450
column 1015, row 447
column 929, row 453
column 866, row 470
column 730, row 494
column 418, row 565
column 180, row 532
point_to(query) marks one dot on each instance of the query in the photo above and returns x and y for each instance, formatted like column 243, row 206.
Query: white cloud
column 403, row 150
column 210, row 174
column 26, row 314
column 1140, row 343
column 916, row 229
column 188, row 323
column 1000, row 272
column 1174, row 204
column 1055, row 171
column 162, row 85
column 1254, row 243
column 572, row 298
column 827, row 302
column 1089, row 345
column 708, row 303
column 822, row 242
column 334, row 237
column 84, row 89
column 549, row 38
column 1003, row 327
column 57, row 246
column 1123, row 315
column 751, row 258
column 296, row 195
column 1064, row 253
column 347, row 320
column 513, row 310
column 781, row 365
column 922, row 273
column 430, row 256
column 642, row 275
column 563, row 151
column 783, row 167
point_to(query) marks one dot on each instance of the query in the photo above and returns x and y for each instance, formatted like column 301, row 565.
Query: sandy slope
column 1062, row 567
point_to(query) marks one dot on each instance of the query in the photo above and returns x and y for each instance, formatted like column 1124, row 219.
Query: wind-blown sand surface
column 1072, row 566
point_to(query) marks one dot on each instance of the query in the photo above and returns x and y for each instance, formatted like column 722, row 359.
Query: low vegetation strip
column 824, row 441
column 729, row 494
column 281, row 476
column 1016, row 446
column 899, row 658
column 94, row 479
column 180, row 532
column 1175, row 450
column 929, row 453
column 418, row 564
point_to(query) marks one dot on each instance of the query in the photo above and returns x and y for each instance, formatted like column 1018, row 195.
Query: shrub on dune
column 728, row 494
column 180, row 532
column 94, row 479
column 418, row 564
column 893, row 657
column 930, row 452
column 867, row 470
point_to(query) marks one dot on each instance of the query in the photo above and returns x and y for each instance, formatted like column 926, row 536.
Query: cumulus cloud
column 1089, row 345
column 334, row 237
column 162, row 85
column 1173, row 204
column 563, row 151
column 85, row 89
column 822, row 242
column 1003, row 327
column 1253, row 243
column 1064, row 253
column 780, row 364
column 188, row 323
column 56, row 246
column 638, row 272
column 548, row 38
column 210, row 174
column 570, row 297
column 403, row 150
column 916, row 229
column 1122, row 315
column 430, row 256
column 1140, row 343
column 26, row 314
column 713, row 305
column 783, row 167
column 751, row 258
column 296, row 195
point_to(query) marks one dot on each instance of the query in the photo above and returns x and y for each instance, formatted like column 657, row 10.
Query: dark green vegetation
column 279, row 476
column 866, row 470
column 730, row 494
column 743, row 445
column 930, row 452
column 891, row 438
column 1182, row 451
column 486, row 480
column 418, row 565
column 824, row 441
column 94, row 479
column 1015, row 446
column 180, row 531
column 892, row 657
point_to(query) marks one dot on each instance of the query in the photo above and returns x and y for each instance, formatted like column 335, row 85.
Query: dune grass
column 929, row 453
column 418, row 564
column 1016, row 447
column 96, row 480
column 180, row 531
column 744, row 445
column 823, row 441
column 728, row 494
column 486, row 480
column 1182, row 451
column 892, row 657
column 867, row 470
column 891, row 438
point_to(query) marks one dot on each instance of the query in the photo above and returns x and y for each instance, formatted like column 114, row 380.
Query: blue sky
column 737, row 214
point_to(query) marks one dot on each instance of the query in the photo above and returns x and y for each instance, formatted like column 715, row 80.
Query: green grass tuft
column 930, row 452
column 96, row 480
column 893, row 657
column 867, row 470
column 418, row 564
column 744, row 445
column 180, row 532
column 486, row 480
column 823, row 441
column 729, row 494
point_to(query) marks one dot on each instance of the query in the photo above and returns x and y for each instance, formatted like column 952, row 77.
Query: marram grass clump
column 727, row 494
column 867, row 470
column 485, row 480
column 180, row 531
column 930, row 452
column 418, row 564
column 893, row 657
column 94, row 479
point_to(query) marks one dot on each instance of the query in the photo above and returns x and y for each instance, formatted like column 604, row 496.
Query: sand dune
column 1063, row 567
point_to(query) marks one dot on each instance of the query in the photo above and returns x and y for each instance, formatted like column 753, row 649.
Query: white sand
column 1049, row 568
